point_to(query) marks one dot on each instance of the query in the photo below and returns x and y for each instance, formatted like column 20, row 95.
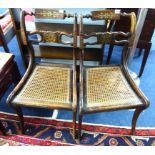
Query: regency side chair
column 47, row 85
column 108, row 87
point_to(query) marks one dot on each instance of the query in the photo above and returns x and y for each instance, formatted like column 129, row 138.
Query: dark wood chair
column 109, row 87
column 47, row 85
column 6, row 30
column 9, row 74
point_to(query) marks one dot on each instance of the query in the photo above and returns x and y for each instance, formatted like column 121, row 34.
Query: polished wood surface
column 7, row 33
column 9, row 74
column 5, row 60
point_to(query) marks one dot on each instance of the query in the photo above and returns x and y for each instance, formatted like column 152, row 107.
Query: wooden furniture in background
column 109, row 87
column 15, row 16
column 47, row 85
column 145, row 37
column 6, row 30
column 9, row 74
column 2, row 128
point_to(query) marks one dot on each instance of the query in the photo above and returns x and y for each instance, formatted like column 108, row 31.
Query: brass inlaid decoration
column 105, row 38
column 49, row 13
column 105, row 15
column 48, row 36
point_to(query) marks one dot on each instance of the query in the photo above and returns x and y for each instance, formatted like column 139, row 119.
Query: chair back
column 109, row 36
column 49, row 36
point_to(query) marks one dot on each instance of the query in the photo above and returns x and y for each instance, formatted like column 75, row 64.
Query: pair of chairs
column 54, row 86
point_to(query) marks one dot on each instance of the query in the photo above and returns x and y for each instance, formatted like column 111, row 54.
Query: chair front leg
column 19, row 112
column 74, row 124
column 80, row 125
column 134, row 119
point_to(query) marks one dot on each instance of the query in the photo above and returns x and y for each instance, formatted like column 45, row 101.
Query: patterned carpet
column 46, row 132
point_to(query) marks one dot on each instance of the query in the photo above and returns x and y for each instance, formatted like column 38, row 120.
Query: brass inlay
column 48, row 36
column 105, row 15
column 48, row 13
column 105, row 38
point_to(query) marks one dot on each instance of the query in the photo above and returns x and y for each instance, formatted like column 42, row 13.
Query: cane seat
column 106, row 88
column 46, row 86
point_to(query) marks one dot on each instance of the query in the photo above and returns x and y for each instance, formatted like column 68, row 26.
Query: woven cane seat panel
column 47, row 85
column 106, row 86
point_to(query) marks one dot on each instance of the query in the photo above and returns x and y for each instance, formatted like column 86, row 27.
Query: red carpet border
column 48, row 132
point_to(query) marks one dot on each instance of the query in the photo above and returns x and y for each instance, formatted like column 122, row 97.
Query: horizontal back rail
column 51, row 37
column 48, row 36
column 107, row 38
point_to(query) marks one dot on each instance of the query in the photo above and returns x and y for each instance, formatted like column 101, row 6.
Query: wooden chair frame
column 46, row 36
column 109, row 38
